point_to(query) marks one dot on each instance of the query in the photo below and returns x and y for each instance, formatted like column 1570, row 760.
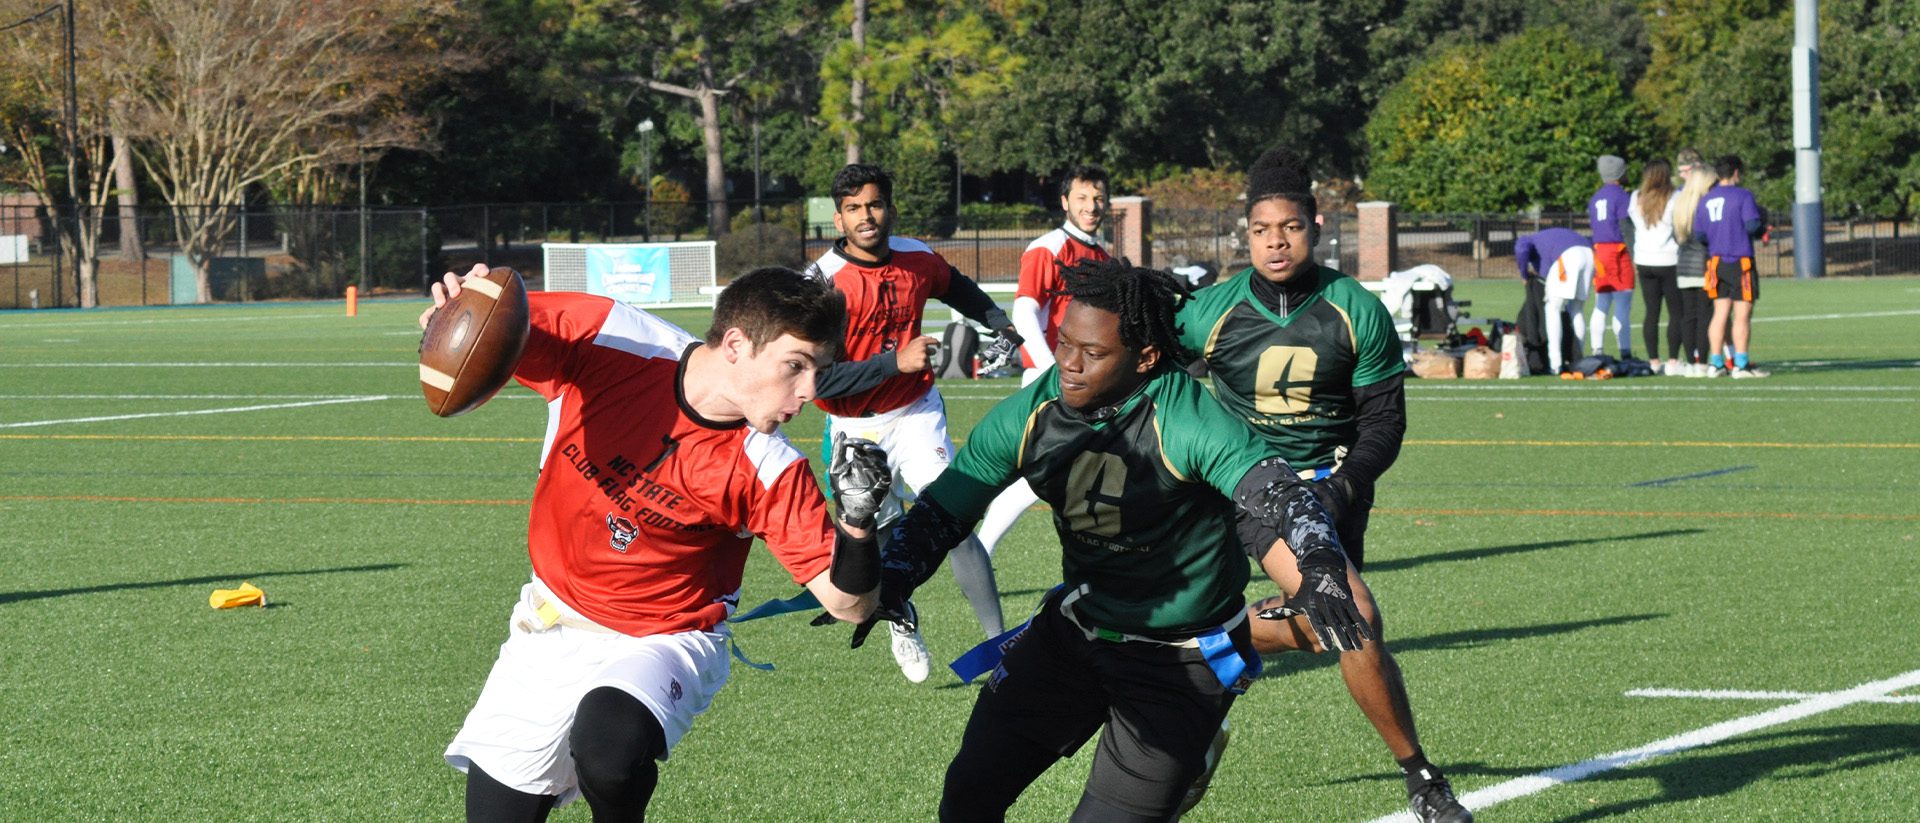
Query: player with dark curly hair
column 1154, row 487
column 1309, row 358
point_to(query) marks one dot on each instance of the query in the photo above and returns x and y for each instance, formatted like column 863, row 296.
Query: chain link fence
column 316, row 252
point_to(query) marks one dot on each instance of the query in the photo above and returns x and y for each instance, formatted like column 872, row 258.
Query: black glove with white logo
column 1327, row 601
column 860, row 478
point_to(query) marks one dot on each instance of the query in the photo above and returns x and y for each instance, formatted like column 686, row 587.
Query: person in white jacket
column 1655, row 257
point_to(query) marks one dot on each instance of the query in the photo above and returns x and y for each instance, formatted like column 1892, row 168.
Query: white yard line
column 1812, row 704
column 1733, row 694
column 106, row 418
column 157, row 321
column 1902, row 313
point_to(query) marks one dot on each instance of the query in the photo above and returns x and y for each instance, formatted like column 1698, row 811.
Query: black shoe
column 1435, row 803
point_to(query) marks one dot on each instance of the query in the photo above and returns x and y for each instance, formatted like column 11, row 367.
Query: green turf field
column 1541, row 550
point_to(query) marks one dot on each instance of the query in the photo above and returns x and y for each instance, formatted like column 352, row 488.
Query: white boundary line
column 1732, row 694
column 1813, row 704
column 364, row 399
column 154, row 321
column 1902, row 313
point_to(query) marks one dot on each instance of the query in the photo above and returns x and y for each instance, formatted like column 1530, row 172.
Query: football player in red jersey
column 1041, row 305
column 662, row 462
column 887, row 281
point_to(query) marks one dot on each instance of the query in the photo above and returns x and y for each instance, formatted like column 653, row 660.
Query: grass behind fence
column 1540, row 549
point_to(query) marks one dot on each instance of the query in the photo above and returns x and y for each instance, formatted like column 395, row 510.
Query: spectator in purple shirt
column 1727, row 220
column 1612, row 267
column 1557, row 263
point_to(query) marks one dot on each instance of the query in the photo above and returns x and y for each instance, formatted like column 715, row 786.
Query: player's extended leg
column 1623, row 324
column 1717, row 331
column 1556, row 311
column 1597, row 323
column 993, row 767
column 922, row 452
column 616, row 741
column 1742, row 325
column 1373, row 679
column 1004, row 512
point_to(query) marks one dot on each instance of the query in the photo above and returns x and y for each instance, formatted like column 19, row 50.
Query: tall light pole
column 1809, row 218
column 646, row 171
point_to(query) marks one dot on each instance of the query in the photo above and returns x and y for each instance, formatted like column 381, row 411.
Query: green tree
column 1501, row 128
column 1741, row 103
column 1683, row 34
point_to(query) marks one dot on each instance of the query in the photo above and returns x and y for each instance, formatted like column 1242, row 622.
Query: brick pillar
column 1133, row 229
column 1379, row 240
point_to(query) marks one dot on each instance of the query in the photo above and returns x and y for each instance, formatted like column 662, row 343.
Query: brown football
column 473, row 342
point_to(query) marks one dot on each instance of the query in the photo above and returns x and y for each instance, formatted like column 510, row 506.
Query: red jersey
column 885, row 301
column 1040, row 278
column 645, row 510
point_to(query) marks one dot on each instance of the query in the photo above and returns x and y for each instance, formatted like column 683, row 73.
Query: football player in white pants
column 1568, row 284
column 663, row 461
column 887, row 281
column 1040, row 305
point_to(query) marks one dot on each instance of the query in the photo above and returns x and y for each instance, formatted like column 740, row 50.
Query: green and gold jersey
column 1139, row 497
column 1293, row 378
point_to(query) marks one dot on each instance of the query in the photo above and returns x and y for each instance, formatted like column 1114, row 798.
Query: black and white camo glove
column 860, row 478
column 1327, row 601
column 996, row 356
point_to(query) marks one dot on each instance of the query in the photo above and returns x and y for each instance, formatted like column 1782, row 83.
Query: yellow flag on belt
column 246, row 595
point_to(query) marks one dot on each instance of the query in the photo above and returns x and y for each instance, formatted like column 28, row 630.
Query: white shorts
column 915, row 439
column 519, row 728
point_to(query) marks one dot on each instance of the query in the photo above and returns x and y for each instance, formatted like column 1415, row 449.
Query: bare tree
column 63, row 162
column 225, row 95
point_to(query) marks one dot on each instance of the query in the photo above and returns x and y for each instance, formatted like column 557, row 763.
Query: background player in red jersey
column 887, row 281
column 662, row 460
column 1041, row 304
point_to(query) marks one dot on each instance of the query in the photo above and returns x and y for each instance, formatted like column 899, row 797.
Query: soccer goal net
column 654, row 275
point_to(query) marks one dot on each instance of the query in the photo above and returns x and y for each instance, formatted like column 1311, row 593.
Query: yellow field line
column 1617, row 513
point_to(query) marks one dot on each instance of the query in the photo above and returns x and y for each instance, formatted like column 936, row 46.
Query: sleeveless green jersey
column 1292, row 378
column 1139, row 497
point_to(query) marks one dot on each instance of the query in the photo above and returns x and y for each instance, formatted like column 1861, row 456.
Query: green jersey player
column 1309, row 358
column 1154, row 489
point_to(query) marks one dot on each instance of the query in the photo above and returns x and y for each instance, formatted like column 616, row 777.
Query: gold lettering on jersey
column 1095, row 484
column 1283, row 384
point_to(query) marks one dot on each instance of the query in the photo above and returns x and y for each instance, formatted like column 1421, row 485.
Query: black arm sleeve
column 1756, row 227
column 856, row 562
column 967, row 297
column 1272, row 502
column 917, row 545
column 1382, row 425
column 849, row 377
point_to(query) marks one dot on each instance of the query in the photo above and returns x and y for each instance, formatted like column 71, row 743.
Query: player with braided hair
column 1154, row 487
column 1309, row 358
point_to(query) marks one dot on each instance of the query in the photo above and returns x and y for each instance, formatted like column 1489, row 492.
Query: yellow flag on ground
column 246, row 595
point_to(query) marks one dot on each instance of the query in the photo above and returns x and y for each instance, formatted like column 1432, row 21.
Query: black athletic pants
column 1696, row 311
column 1156, row 707
column 1657, row 288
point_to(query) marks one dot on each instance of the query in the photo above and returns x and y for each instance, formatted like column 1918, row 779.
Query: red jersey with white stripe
column 1040, row 278
column 645, row 510
column 885, row 302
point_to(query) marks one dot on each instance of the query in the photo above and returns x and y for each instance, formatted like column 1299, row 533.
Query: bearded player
column 662, row 462
column 1041, row 305
column 887, row 281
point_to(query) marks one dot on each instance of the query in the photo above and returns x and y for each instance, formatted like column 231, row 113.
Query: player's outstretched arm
column 914, row 550
column 1275, row 509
